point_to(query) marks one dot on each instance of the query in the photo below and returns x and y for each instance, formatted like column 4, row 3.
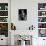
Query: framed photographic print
column 22, row 14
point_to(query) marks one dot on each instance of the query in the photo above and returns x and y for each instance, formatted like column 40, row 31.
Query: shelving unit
column 4, row 19
column 42, row 19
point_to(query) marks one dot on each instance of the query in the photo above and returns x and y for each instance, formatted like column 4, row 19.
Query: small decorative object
column 42, row 32
column 0, row 7
column 6, row 7
column 31, row 27
column 13, row 27
column 43, row 13
column 22, row 14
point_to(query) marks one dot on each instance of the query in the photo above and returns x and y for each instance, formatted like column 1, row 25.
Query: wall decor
column 22, row 14
column 13, row 27
column 6, row 7
column 31, row 27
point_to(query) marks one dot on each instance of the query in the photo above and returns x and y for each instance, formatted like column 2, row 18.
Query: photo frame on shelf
column 22, row 14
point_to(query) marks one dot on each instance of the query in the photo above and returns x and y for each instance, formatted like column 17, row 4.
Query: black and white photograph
column 22, row 13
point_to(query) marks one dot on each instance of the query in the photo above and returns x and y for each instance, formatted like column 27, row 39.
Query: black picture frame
column 22, row 14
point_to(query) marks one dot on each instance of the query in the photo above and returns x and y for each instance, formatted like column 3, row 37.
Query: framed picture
column 22, row 14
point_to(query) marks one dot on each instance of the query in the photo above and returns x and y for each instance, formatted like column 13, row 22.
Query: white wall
column 31, row 6
column 32, row 14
